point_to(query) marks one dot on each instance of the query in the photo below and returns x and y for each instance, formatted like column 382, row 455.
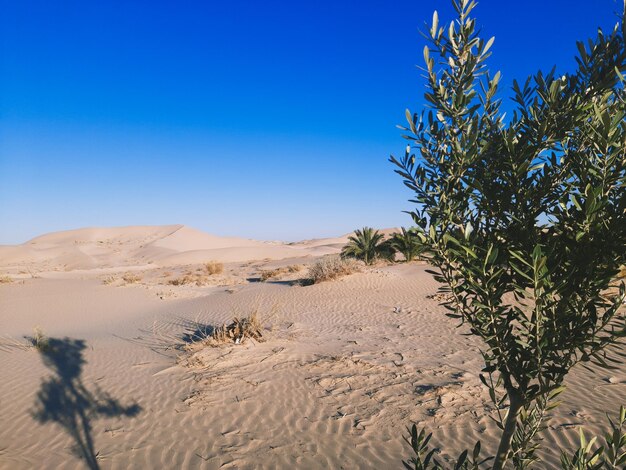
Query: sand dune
column 140, row 245
column 345, row 366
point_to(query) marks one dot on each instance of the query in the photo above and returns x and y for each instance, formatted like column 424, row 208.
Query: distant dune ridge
column 166, row 245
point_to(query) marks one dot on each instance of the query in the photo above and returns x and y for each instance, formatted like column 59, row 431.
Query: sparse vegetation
column 332, row 267
column 180, row 281
column 238, row 331
column 108, row 280
column 525, row 222
column 197, row 279
column 214, row 267
column 39, row 340
column 295, row 268
column 6, row 279
column 131, row 278
column 267, row 274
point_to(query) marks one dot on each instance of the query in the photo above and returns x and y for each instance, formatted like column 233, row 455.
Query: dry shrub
column 176, row 282
column 181, row 281
column 189, row 278
column 241, row 327
column 267, row 274
column 6, row 279
column 239, row 330
column 270, row 273
column 108, row 280
column 332, row 267
column 131, row 278
column 39, row 340
column 214, row 267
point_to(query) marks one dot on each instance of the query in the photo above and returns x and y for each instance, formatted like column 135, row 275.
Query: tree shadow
column 64, row 399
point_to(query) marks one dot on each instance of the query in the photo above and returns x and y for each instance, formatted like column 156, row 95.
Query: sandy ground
column 345, row 366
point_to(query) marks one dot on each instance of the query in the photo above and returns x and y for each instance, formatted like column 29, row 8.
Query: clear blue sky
column 266, row 119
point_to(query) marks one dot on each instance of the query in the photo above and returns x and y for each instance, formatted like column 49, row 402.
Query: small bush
column 294, row 268
column 186, row 279
column 131, row 278
column 108, row 280
column 190, row 278
column 214, row 267
column 267, row 274
column 332, row 267
column 39, row 340
column 271, row 273
column 6, row 279
column 238, row 330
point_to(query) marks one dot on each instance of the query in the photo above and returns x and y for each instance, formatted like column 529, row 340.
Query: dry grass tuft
column 6, row 279
column 109, row 280
column 332, row 267
column 39, row 340
column 214, row 267
column 131, row 278
column 239, row 330
column 267, row 274
column 190, row 278
column 181, row 281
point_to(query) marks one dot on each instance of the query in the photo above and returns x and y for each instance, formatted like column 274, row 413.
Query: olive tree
column 524, row 216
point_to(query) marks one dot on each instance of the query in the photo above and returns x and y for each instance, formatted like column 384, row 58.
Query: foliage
column 589, row 456
column 610, row 456
column 408, row 243
column 424, row 455
column 524, row 219
column 366, row 244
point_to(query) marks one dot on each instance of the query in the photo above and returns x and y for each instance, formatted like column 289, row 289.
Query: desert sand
column 345, row 367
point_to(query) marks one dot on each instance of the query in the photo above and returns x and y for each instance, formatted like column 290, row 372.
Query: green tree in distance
column 524, row 220
column 366, row 244
column 407, row 242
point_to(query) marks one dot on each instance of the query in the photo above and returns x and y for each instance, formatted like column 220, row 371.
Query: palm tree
column 365, row 244
column 407, row 242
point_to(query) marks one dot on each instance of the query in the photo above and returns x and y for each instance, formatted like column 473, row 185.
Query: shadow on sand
column 63, row 398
